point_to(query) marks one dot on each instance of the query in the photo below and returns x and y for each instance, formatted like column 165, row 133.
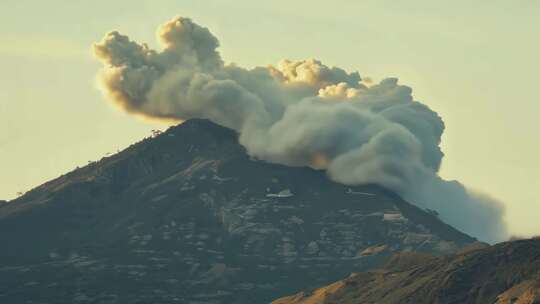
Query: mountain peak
column 201, row 126
column 187, row 211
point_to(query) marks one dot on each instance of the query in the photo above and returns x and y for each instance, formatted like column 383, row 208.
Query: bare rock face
column 507, row 273
column 188, row 217
column 526, row 292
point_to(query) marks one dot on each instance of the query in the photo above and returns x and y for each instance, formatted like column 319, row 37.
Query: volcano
column 187, row 216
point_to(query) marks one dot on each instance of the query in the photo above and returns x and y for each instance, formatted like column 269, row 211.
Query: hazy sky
column 476, row 63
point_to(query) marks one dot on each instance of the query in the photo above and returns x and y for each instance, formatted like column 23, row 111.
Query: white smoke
column 298, row 113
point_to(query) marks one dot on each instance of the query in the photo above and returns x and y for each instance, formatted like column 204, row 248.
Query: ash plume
column 298, row 113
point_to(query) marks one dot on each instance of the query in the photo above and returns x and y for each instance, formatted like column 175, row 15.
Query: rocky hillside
column 188, row 217
column 502, row 274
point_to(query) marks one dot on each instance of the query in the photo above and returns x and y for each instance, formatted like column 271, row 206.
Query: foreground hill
column 503, row 274
column 188, row 217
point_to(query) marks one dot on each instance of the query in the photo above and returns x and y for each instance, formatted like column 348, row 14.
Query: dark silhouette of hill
column 188, row 217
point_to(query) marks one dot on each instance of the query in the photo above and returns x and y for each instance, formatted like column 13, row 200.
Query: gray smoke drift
column 299, row 113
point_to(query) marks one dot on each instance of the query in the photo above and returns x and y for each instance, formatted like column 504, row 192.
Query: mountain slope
column 188, row 217
column 502, row 274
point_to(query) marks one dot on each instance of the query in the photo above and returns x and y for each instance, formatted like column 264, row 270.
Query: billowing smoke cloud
column 298, row 113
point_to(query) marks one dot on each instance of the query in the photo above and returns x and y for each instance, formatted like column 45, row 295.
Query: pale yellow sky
column 476, row 63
